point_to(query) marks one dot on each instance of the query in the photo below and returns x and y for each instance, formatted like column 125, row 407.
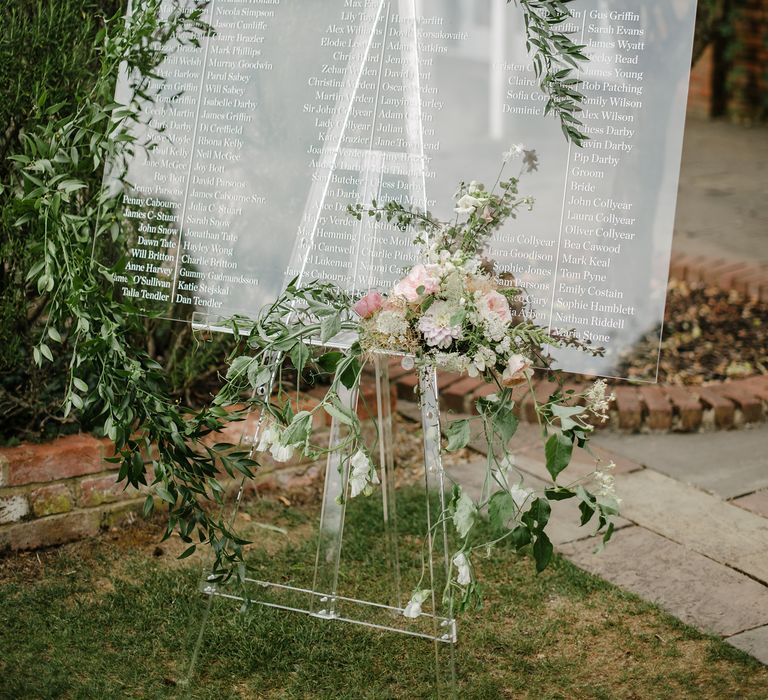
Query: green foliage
column 57, row 79
column 556, row 59
column 48, row 56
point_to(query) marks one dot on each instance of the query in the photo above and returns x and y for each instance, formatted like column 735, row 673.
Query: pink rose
column 494, row 304
column 369, row 304
column 518, row 369
column 419, row 276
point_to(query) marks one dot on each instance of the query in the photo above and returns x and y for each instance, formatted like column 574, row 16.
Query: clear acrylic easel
column 324, row 600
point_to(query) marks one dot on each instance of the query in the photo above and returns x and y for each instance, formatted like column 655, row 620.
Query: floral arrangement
column 453, row 312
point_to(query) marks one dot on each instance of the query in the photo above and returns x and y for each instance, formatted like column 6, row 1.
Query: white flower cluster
column 597, row 402
column 271, row 439
column 605, row 481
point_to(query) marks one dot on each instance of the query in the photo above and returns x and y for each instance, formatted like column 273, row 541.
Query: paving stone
column 727, row 464
column 693, row 588
column 701, row 522
column 756, row 502
column 754, row 642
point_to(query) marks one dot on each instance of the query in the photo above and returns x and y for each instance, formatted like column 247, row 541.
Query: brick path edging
column 65, row 490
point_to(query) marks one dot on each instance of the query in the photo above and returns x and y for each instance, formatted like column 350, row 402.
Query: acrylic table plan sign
column 292, row 111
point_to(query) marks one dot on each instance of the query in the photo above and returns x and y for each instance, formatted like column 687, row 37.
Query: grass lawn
column 117, row 617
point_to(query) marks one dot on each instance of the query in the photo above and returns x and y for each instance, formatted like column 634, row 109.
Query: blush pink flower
column 495, row 306
column 437, row 325
column 518, row 369
column 425, row 276
column 369, row 304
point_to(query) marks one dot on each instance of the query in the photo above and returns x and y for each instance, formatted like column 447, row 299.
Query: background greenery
column 49, row 56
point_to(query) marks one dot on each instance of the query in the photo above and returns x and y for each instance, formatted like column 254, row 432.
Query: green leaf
column 566, row 415
column 329, row 361
column 187, row 552
column 458, row 434
column 340, row 414
column 329, row 327
column 239, row 366
column 299, row 429
column 165, row 494
column 505, row 423
column 464, row 514
column 149, row 506
column 299, row 356
column 501, row 509
column 542, row 551
column 258, row 375
column 537, row 516
column 558, row 451
column 53, row 334
column 559, row 494
column 351, row 374
column 45, row 351
column 520, row 537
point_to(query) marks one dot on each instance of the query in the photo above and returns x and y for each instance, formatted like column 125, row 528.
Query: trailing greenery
column 53, row 59
column 56, row 202
column 556, row 58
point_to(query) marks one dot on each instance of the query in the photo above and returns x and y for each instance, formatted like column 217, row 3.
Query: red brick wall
column 64, row 490
column 742, row 64
column 55, row 492
column 700, row 92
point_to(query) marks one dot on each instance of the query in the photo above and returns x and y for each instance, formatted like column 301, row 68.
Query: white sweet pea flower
column 520, row 495
column 413, row 609
column 463, row 572
column 363, row 474
column 467, row 204
column 280, row 452
column 269, row 435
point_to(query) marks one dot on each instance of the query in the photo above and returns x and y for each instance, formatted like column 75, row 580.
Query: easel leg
column 387, row 466
column 439, row 558
column 334, row 507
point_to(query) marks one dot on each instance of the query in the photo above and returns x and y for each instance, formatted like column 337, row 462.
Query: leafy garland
column 556, row 59
column 113, row 381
